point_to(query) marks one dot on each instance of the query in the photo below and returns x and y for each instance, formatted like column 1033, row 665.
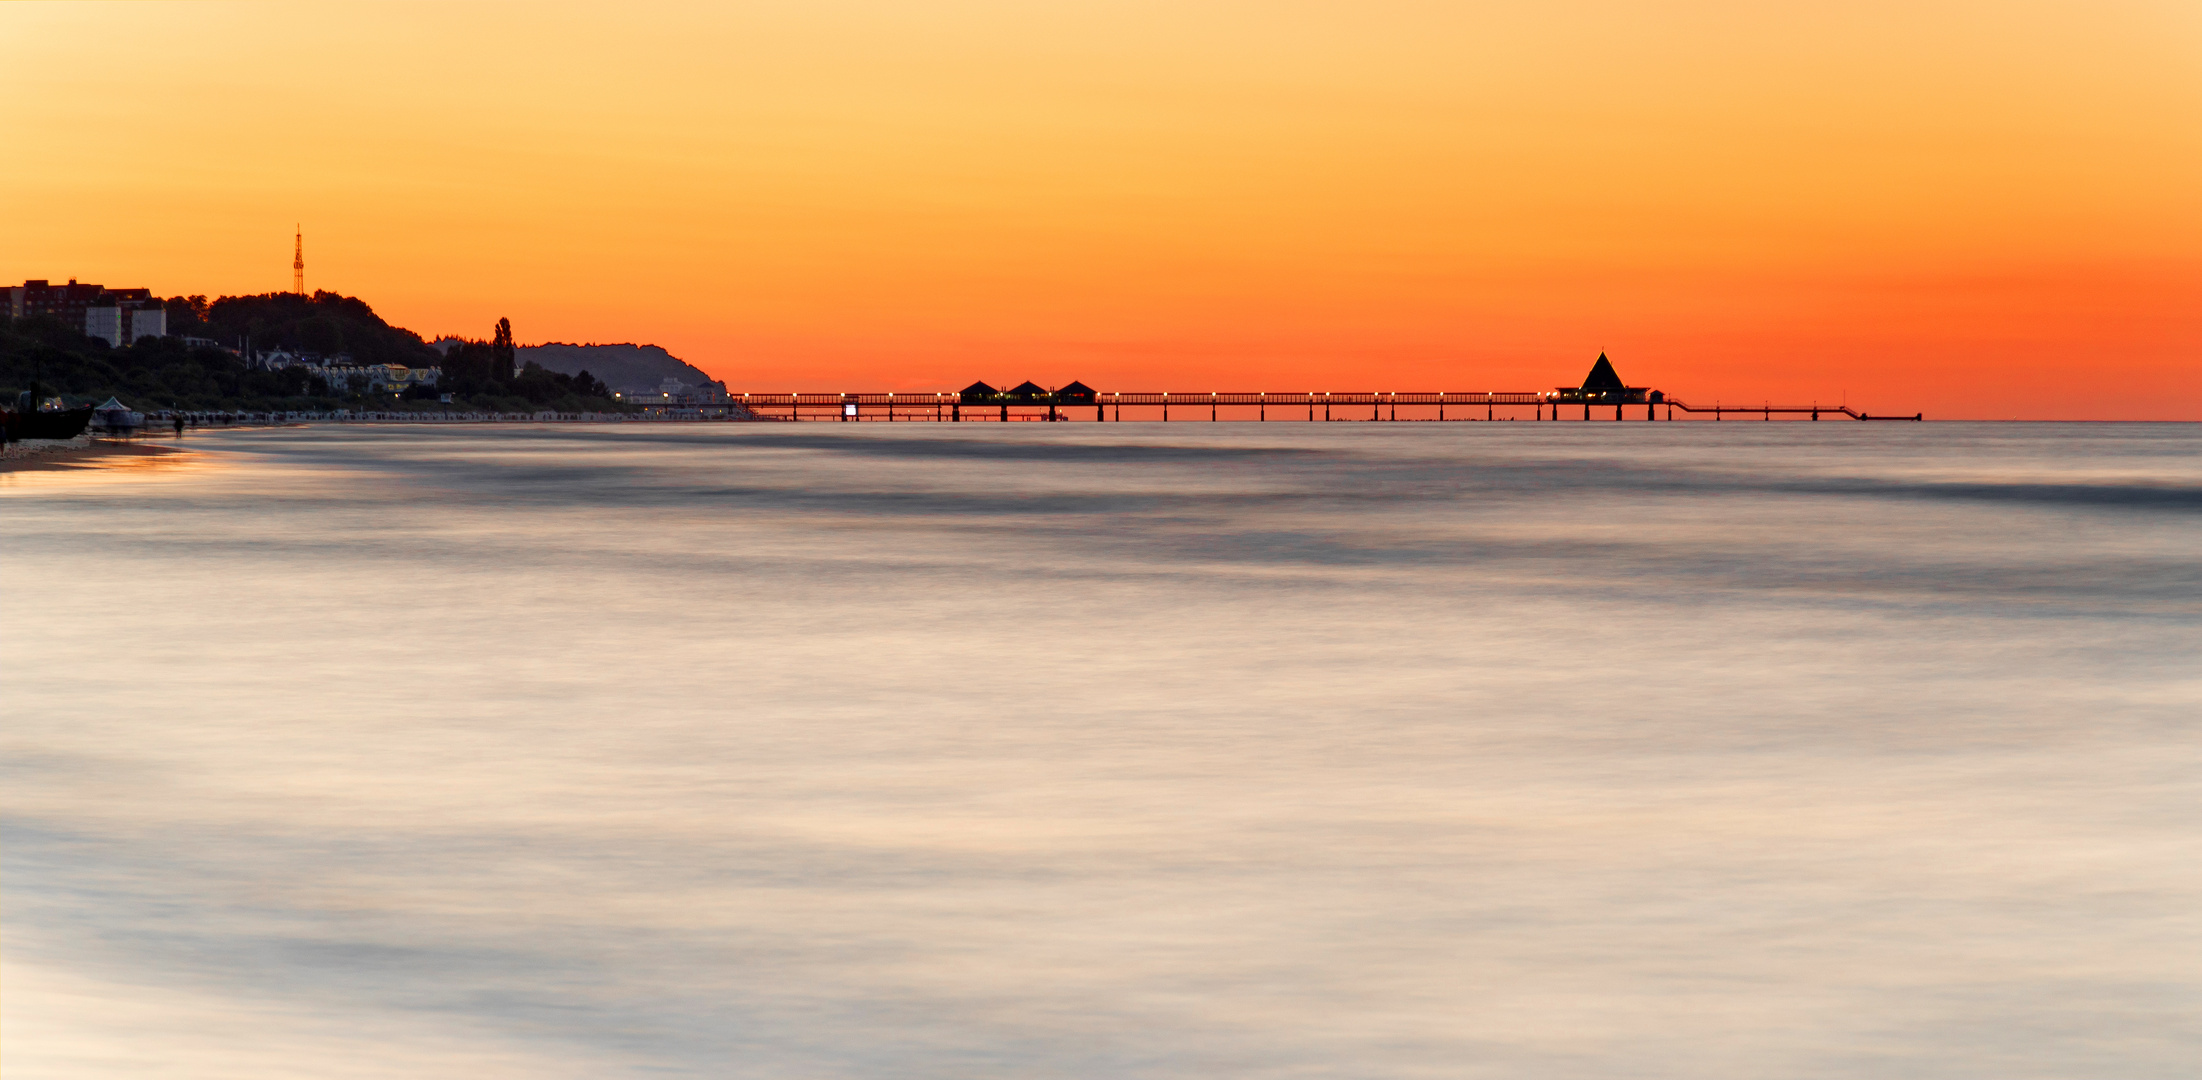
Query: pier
column 1601, row 390
column 1343, row 405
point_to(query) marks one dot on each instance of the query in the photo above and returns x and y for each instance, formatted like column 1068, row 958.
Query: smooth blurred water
column 1085, row 750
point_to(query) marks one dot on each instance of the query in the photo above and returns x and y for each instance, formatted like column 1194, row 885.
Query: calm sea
column 1092, row 750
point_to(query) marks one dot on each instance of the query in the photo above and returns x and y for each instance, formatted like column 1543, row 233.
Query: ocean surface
column 1095, row 750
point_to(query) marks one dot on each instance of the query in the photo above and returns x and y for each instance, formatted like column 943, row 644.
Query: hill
column 323, row 325
column 199, row 365
column 626, row 367
column 183, row 371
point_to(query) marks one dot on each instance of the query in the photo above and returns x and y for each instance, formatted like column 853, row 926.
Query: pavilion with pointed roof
column 1603, row 386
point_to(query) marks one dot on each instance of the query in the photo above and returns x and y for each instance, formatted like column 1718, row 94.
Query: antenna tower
column 298, row 263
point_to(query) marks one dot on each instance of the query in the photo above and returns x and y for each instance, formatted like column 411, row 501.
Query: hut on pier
column 1603, row 386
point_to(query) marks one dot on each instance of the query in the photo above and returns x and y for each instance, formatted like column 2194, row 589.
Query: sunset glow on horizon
column 1972, row 210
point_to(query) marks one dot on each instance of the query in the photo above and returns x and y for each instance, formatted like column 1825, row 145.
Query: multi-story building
column 64, row 302
column 122, row 325
column 118, row 315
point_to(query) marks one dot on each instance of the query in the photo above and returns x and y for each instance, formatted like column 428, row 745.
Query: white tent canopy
column 112, row 414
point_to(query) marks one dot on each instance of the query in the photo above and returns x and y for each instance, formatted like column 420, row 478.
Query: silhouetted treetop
column 325, row 324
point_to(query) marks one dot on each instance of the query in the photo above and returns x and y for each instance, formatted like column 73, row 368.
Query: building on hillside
column 106, row 323
column 676, row 392
column 373, row 378
column 122, row 325
column 63, row 302
column 119, row 316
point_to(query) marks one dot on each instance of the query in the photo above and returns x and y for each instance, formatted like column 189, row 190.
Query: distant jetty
column 1603, row 388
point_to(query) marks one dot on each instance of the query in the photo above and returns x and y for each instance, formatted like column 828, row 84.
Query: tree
column 502, row 352
column 471, row 368
column 187, row 314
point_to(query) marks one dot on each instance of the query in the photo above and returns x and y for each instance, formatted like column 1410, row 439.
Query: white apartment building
column 122, row 325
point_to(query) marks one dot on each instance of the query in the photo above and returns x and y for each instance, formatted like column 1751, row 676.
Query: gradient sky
column 1974, row 209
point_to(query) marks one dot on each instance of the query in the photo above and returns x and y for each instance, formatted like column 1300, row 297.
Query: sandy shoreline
column 82, row 452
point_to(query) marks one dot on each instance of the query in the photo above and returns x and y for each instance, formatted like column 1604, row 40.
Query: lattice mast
column 298, row 262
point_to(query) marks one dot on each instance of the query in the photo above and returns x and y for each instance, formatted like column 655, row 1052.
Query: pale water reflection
column 1093, row 750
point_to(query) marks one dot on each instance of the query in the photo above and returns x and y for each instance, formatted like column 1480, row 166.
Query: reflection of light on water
column 1100, row 750
column 103, row 465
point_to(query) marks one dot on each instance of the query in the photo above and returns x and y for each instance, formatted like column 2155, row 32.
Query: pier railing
column 1769, row 411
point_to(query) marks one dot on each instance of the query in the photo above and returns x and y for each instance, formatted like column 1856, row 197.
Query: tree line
column 478, row 368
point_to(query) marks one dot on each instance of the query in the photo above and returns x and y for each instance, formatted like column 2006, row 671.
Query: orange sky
column 1975, row 209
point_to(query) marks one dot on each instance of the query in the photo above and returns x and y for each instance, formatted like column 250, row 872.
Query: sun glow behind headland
column 1923, row 206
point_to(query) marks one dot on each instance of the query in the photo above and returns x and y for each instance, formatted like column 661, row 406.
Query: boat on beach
column 45, row 423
